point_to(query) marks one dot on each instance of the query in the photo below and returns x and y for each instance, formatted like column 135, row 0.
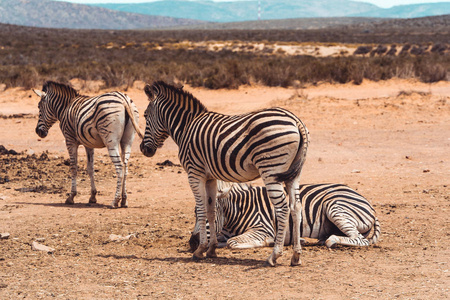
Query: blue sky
column 380, row 3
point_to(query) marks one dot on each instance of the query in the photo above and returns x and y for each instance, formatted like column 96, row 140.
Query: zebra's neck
column 60, row 105
column 181, row 108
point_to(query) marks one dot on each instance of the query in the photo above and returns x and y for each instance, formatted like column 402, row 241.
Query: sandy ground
column 389, row 140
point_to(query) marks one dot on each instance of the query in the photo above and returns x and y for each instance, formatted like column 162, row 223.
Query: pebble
column 39, row 247
column 116, row 238
column 4, row 235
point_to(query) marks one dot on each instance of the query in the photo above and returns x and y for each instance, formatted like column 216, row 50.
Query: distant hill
column 289, row 24
column 410, row 11
column 238, row 11
column 430, row 25
column 54, row 14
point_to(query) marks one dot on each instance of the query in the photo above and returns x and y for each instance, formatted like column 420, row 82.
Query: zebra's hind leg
column 73, row 153
column 295, row 206
column 348, row 226
column 126, row 150
column 125, row 146
column 90, row 170
column 115, row 158
column 278, row 198
column 334, row 240
column 211, row 193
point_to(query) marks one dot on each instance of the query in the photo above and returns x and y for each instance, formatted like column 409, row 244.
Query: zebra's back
column 233, row 148
column 93, row 121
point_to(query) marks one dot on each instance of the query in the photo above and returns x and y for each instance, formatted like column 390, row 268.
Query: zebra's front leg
column 90, row 170
column 73, row 154
column 211, row 193
column 116, row 160
column 198, row 187
column 278, row 199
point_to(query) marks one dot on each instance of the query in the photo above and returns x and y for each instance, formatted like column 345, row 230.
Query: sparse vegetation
column 30, row 56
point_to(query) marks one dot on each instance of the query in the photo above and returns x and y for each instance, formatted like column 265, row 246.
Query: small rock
column 117, row 238
column 426, row 171
column 356, row 171
column 30, row 152
column 4, row 235
column 39, row 247
column 40, row 240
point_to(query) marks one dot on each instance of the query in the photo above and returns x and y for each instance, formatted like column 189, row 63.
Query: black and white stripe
column 108, row 120
column 332, row 213
column 270, row 144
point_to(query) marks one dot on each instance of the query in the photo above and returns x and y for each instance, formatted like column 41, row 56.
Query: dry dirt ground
column 389, row 140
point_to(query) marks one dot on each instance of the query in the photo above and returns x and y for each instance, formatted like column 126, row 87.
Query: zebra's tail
column 376, row 232
column 297, row 165
column 129, row 110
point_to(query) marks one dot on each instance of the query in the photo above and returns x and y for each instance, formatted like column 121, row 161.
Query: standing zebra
column 332, row 213
column 270, row 144
column 107, row 120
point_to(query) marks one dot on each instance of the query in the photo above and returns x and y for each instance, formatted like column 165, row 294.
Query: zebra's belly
column 249, row 175
column 90, row 138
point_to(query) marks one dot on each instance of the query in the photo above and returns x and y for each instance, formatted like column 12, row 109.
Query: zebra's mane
column 51, row 86
column 188, row 100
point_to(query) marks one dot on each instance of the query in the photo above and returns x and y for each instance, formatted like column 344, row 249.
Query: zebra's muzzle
column 146, row 150
column 41, row 132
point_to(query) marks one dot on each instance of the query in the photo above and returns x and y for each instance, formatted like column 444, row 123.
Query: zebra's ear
column 40, row 93
column 148, row 91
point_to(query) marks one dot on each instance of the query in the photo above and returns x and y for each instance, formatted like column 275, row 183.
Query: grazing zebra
column 270, row 144
column 107, row 120
column 332, row 213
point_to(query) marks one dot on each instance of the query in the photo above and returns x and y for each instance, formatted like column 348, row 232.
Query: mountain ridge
column 56, row 14
column 238, row 11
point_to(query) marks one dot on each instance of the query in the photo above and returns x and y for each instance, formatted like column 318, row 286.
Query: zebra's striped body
column 332, row 213
column 270, row 144
column 107, row 120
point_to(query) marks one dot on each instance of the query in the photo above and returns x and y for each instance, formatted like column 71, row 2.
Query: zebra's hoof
column 92, row 200
column 295, row 261
column 211, row 255
column 196, row 258
column 70, row 201
column 331, row 242
column 270, row 262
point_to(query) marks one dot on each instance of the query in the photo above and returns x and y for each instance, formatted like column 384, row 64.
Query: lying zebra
column 108, row 120
column 332, row 213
